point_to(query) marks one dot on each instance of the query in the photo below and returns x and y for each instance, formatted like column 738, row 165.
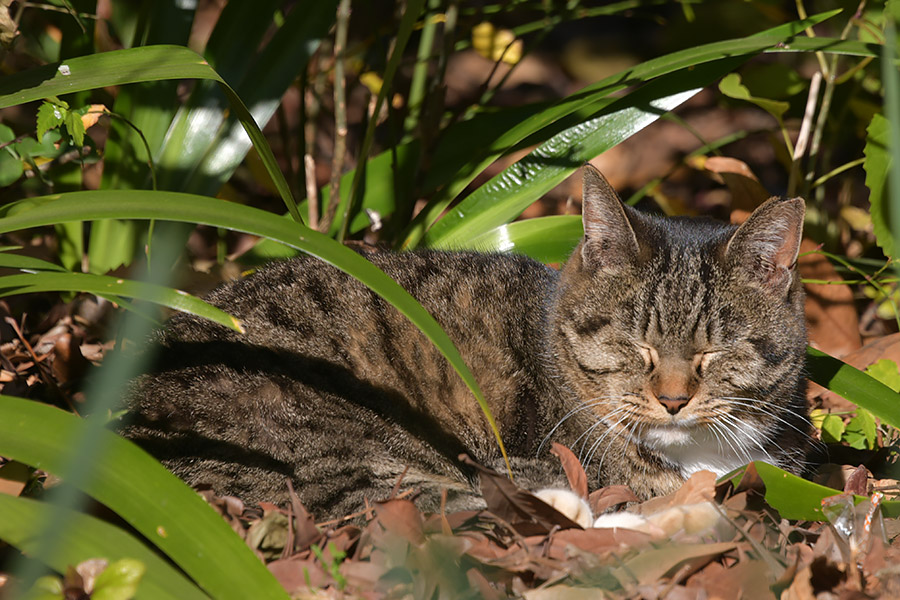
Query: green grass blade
column 589, row 97
column 152, row 500
column 204, row 147
column 189, row 208
column 102, row 285
column 798, row 499
column 148, row 63
column 506, row 195
column 27, row 263
column 547, row 239
column 828, row 46
column 854, row 385
column 86, row 537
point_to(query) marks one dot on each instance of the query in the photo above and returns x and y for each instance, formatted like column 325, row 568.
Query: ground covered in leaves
column 707, row 540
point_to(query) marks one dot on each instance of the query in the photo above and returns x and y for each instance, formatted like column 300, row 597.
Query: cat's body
column 663, row 347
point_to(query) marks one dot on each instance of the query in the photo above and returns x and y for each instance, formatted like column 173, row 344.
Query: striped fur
column 663, row 346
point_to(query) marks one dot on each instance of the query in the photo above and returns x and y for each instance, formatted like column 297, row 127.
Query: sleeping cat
column 663, row 347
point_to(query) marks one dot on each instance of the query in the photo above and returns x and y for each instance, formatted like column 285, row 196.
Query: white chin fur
column 698, row 449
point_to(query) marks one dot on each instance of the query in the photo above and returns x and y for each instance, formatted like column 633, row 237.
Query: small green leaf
column 119, row 580
column 887, row 372
column 75, row 127
column 47, row 587
column 732, row 87
column 49, row 116
column 832, row 429
column 861, row 430
column 11, row 168
column 877, row 164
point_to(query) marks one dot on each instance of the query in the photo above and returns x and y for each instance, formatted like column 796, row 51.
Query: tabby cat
column 664, row 346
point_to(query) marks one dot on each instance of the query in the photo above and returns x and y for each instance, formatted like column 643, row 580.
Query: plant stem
column 340, row 116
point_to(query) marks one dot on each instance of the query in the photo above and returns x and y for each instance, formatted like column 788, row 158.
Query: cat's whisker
column 610, row 429
column 583, row 438
column 753, row 404
column 629, row 431
column 584, row 406
column 741, row 431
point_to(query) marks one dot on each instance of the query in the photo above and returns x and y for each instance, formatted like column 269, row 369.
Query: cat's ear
column 766, row 245
column 609, row 239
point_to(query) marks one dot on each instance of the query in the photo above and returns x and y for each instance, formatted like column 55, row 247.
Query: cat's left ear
column 768, row 242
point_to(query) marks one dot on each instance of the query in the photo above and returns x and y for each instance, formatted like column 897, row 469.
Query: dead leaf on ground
column 611, row 497
column 402, row 518
column 522, row 509
column 746, row 191
column 573, row 469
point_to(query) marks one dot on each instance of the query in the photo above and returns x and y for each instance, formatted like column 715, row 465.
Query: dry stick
column 831, row 82
column 805, row 129
column 340, row 116
column 39, row 363
column 309, row 107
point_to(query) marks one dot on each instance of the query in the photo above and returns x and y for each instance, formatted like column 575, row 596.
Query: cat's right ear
column 609, row 239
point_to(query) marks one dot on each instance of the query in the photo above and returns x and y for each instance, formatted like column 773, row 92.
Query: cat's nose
column 673, row 405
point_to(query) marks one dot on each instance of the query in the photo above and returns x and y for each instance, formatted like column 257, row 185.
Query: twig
column 340, row 115
column 805, row 129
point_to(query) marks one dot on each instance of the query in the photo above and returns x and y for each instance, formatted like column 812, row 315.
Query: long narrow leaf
column 149, row 63
column 86, row 537
column 153, row 501
column 854, row 385
column 103, row 285
column 506, row 195
column 600, row 92
column 189, row 208
column 547, row 239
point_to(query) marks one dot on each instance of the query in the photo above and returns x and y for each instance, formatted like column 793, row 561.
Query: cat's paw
column 693, row 519
column 568, row 503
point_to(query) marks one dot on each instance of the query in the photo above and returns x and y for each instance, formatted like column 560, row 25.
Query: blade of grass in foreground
column 134, row 65
column 155, row 502
column 87, row 537
column 102, row 285
column 798, row 499
column 189, row 208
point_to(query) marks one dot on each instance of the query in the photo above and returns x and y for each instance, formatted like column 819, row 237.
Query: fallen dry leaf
column 573, row 469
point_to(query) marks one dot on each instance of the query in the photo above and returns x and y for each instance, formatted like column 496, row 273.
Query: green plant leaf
column 832, row 429
column 732, row 87
column 189, row 208
column 27, row 263
column 861, row 430
column 773, row 80
column 887, row 372
column 854, row 385
column 547, row 239
column 133, row 65
column 49, row 116
column 506, row 195
column 119, row 581
column 589, row 102
column 153, row 501
column 798, row 499
column 102, row 285
column 87, row 537
column 877, row 165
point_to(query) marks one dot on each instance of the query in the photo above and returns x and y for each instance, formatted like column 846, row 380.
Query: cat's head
column 687, row 336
